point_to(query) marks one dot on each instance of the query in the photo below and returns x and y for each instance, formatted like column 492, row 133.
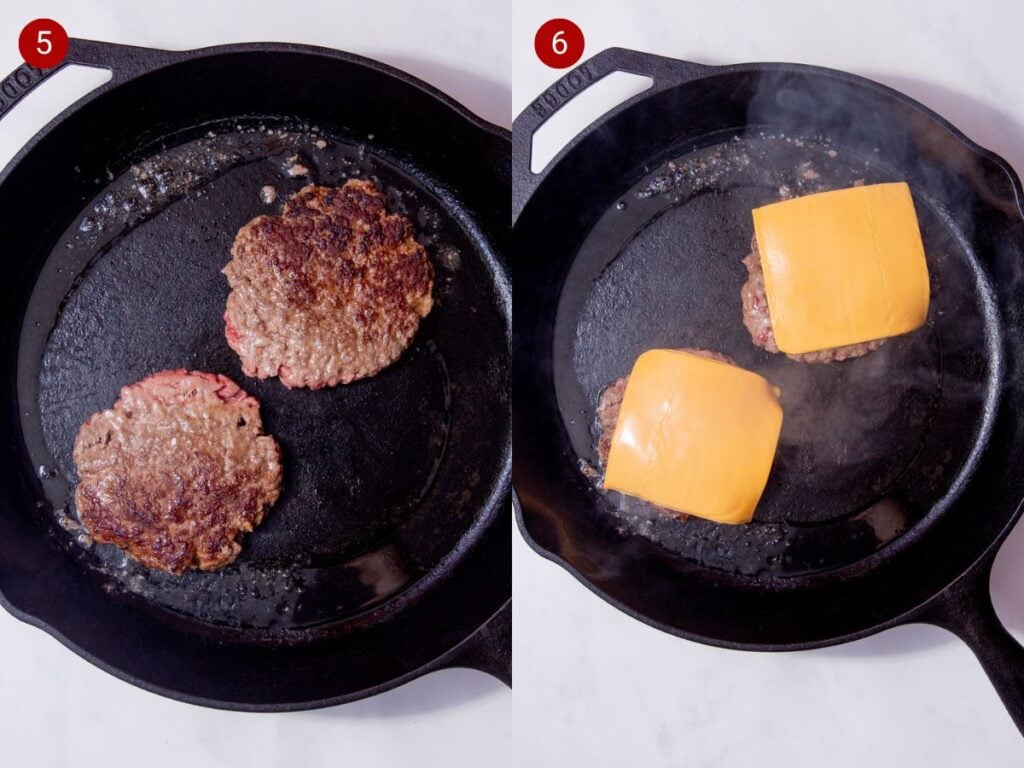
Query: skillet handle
column 965, row 609
column 665, row 72
column 489, row 649
column 123, row 61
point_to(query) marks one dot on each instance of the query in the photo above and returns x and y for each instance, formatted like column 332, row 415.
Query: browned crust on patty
column 330, row 291
column 177, row 471
column 757, row 318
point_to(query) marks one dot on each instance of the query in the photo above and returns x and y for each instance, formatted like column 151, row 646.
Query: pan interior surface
column 868, row 445
column 379, row 481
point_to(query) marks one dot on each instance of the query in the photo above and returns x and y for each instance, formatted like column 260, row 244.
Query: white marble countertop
column 55, row 708
column 594, row 687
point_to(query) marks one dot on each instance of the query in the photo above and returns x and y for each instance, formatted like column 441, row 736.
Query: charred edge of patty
column 757, row 319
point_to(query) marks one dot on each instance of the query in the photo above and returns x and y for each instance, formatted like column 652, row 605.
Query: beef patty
column 330, row 291
column 176, row 471
column 759, row 321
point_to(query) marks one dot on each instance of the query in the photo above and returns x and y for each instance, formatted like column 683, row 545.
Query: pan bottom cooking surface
column 868, row 446
column 373, row 494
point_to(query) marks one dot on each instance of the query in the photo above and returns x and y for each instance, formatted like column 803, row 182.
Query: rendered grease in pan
column 157, row 181
column 786, row 163
column 858, row 463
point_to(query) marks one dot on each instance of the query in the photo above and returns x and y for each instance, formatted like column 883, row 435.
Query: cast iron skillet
column 387, row 555
column 898, row 474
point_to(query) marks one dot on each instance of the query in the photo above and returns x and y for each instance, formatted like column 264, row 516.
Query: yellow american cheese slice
column 695, row 435
column 842, row 267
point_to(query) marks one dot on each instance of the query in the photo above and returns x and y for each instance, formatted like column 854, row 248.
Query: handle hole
column 45, row 102
column 608, row 92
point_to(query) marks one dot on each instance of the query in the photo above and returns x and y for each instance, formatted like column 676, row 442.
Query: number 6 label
column 559, row 43
column 43, row 43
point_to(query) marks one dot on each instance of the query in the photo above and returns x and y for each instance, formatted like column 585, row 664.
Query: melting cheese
column 842, row 267
column 695, row 435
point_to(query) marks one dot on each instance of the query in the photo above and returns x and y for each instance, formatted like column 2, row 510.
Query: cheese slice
column 695, row 435
column 842, row 267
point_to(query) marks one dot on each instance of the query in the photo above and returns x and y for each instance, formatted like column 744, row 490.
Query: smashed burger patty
column 330, row 291
column 177, row 471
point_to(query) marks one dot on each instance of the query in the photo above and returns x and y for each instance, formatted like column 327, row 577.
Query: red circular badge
column 43, row 43
column 559, row 43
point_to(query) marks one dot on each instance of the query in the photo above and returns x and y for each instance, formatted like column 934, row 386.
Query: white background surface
column 596, row 688
column 56, row 709
column 593, row 687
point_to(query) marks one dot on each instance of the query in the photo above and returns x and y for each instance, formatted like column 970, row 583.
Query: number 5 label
column 43, row 38
column 43, row 43
column 559, row 43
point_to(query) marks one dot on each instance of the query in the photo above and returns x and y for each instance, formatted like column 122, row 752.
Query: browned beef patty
column 177, row 471
column 330, row 291
column 759, row 322
column 610, row 401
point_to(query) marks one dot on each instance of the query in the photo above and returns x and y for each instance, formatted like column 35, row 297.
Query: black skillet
column 387, row 555
column 898, row 474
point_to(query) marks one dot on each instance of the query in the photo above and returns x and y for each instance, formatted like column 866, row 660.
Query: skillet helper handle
column 965, row 609
column 665, row 72
column 489, row 649
column 123, row 61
